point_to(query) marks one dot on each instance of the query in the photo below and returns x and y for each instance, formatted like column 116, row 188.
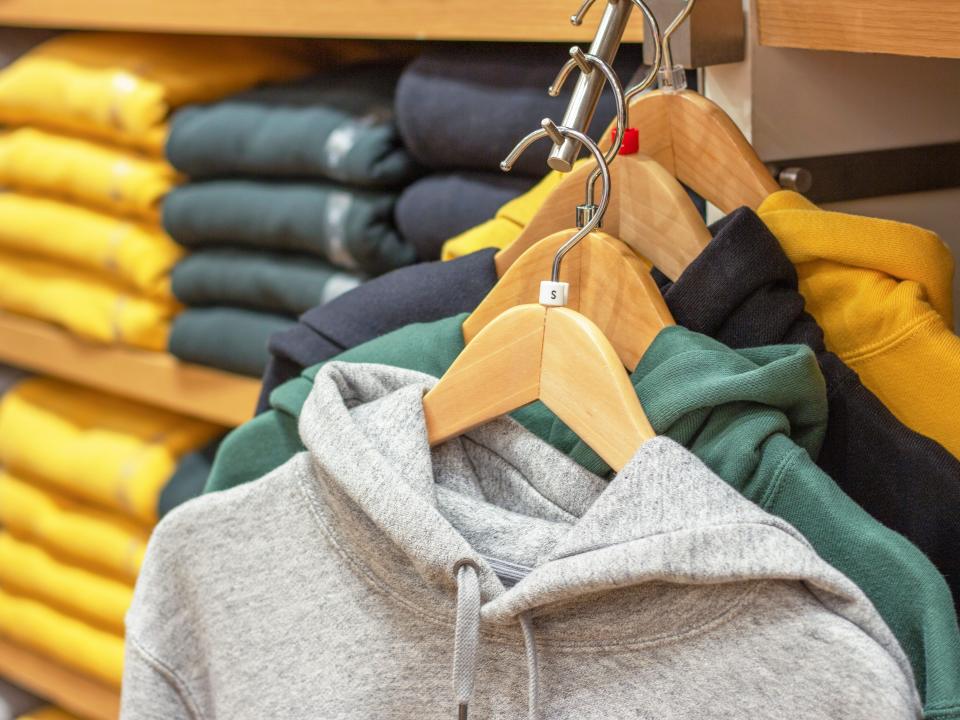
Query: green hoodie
column 755, row 417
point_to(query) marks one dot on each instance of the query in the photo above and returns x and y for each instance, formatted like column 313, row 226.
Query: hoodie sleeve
column 166, row 674
column 904, row 586
column 149, row 692
column 882, row 292
column 915, row 376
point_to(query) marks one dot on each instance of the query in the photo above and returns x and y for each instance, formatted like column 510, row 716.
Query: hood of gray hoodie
column 505, row 502
column 660, row 589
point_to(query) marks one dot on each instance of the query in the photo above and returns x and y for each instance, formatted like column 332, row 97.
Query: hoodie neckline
column 378, row 503
column 783, row 382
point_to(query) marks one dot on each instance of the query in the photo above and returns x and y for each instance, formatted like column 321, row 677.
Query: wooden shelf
column 538, row 20
column 926, row 28
column 66, row 688
column 155, row 378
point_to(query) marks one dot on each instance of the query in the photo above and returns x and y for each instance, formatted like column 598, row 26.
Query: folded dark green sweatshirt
column 231, row 339
column 273, row 282
column 337, row 125
column 351, row 229
column 753, row 416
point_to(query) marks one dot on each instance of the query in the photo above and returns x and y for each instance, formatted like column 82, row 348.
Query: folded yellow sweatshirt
column 88, row 305
column 48, row 713
column 118, row 180
column 122, row 86
column 85, row 535
column 33, row 572
column 64, row 639
column 94, row 446
column 881, row 291
column 136, row 254
column 507, row 224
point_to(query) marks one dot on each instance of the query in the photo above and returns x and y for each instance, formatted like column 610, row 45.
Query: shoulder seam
column 177, row 683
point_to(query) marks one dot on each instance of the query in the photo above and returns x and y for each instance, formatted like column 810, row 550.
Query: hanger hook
column 557, row 134
column 665, row 42
column 577, row 18
column 652, row 25
column 587, row 63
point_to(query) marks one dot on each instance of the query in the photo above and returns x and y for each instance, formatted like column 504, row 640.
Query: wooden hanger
column 649, row 211
column 700, row 145
column 553, row 354
column 695, row 140
column 609, row 284
column 556, row 355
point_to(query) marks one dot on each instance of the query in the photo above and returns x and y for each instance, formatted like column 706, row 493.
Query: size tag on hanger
column 554, row 293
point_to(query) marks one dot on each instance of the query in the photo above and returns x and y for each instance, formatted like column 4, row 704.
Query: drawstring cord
column 533, row 667
column 466, row 644
column 466, row 636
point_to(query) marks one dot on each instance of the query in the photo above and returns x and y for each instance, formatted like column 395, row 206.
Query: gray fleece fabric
column 374, row 577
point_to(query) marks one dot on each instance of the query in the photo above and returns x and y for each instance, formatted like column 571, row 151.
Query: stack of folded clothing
column 81, row 163
column 461, row 109
column 290, row 203
column 80, row 490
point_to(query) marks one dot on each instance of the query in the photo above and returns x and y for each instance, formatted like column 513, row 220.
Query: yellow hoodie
column 138, row 255
column 91, row 445
column 84, row 535
column 87, row 304
column 116, row 180
column 122, row 86
column 881, row 291
column 33, row 572
column 60, row 637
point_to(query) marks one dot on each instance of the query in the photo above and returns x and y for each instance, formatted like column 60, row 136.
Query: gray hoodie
column 354, row 580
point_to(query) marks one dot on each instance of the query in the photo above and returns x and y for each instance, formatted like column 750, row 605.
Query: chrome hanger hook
column 557, row 134
column 582, row 60
column 577, row 18
column 654, row 28
column 665, row 42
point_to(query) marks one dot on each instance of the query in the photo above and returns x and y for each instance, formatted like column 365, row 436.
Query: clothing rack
column 714, row 35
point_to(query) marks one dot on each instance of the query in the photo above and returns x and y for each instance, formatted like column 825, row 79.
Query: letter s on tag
column 554, row 294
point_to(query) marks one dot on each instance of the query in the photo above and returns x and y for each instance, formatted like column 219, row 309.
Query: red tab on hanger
column 631, row 141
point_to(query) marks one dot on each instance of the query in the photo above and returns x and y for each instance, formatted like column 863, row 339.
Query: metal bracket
column 853, row 176
column 714, row 34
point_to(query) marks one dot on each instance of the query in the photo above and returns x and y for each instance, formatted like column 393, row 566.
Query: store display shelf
column 538, row 20
column 928, row 28
column 150, row 377
column 73, row 692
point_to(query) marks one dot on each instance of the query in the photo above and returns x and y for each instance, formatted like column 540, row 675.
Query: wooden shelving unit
column 155, row 378
column 537, row 20
column 927, row 28
column 918, row 27
column 71, row 691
